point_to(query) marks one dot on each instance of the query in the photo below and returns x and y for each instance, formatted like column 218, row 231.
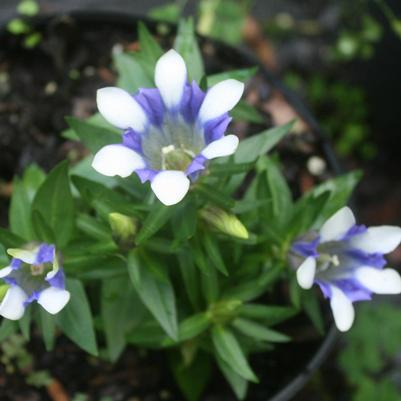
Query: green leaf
column 230, row 168
column 121, row 312
column 10, row 240
column 212, row 194
column 54, row 201
column 245, row 112
column 238, row 384
column 25, row 324
column 229, row 350
column 256, row 331
column 42, row 230
column 193, row 326
column 251, row 148
column 269, row 314
column 131, row 73
column 310, row 304
column 168, row 13
column 243, row 75
column 184, row 228
column 190, row 277
column 20, row 211
column 186, row 44
column 191, row 379
column 7, row 328
column 154, row 221
column 76, row 320
column 213, row 251
column 150, row 49
column 92, row 136
column 47, row 324
column 340, row 189
column 155, row 290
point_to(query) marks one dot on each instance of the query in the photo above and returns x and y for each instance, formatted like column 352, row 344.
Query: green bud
column 124, row 229
column 223, row 312
column 3, row 290
column 224, row 222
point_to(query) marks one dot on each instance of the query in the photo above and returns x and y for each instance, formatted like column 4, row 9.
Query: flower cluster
column 170, row 132
column 346, row 261
column 33, row 275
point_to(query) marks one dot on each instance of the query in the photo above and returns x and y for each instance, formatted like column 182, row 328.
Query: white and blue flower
column 170, row 132
column 346, row 261
column 33, row 275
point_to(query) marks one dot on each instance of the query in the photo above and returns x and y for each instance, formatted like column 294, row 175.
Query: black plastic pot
column 244, row 59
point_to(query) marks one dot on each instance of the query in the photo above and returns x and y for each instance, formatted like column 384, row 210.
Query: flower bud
column 124, row 228
column 224, row 222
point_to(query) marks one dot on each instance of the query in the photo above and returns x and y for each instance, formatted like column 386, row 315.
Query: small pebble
column 316, row 165
column 51, row 88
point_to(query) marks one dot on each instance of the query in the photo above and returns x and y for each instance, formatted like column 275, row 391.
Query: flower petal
column 225, row 146
column 220, row 98
column 170, row 187
column 170, row 78
column 386, row 281
column 12, row 307
column 382, row 239
column 342, row 308
column 337, row 225
column 5, row 271
column 24, row 255
column 117, row 160
column 53, row 299
column 120, row 109
column 306, row 273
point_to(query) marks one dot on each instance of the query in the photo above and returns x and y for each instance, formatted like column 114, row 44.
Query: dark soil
column 38, row 87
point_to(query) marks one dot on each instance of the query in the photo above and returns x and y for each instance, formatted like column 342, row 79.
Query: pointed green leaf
column 76, row 320
column 55, row 203
column 257, row 331
column 229, row 350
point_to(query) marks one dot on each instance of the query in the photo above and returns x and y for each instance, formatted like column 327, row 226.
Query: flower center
column 173, row 145
column 176, row 159
column 327, row 260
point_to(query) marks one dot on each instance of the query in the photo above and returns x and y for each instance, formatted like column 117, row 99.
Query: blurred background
column 343, row 59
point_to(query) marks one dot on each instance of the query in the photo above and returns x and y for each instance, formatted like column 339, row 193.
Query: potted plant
column 166, row 233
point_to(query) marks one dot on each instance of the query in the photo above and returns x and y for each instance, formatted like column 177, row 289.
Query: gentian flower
column 170, row 132
column 346, row 261
column 33, row 275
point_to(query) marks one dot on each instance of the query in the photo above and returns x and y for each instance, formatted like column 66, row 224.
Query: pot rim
column 290, row 389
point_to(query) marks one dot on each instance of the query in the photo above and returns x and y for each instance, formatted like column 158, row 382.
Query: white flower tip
column 170, row 78
column 382, row 239
column 306, row 273
column 53, row 300
column 342, row 308
column 12, row 307
column 5, row 271
column 220, row 99
column 225, row 146
column 337, row 225
column 119, row 160
column 170, row 187
column 120, row 109
column 386, row 281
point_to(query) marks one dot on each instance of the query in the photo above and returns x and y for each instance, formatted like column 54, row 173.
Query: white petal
column 12, row 307
column 221, row 98
column 170, row 187
column 117, row 160
column 382, row 239
column 5, row 271
column 306, row 273
column 386, row 281
column 53, row 299
column 337, row 225
column 24, row 255
column 170, row 78
column 120, row 109
column 342, row 308
column 225, row 146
